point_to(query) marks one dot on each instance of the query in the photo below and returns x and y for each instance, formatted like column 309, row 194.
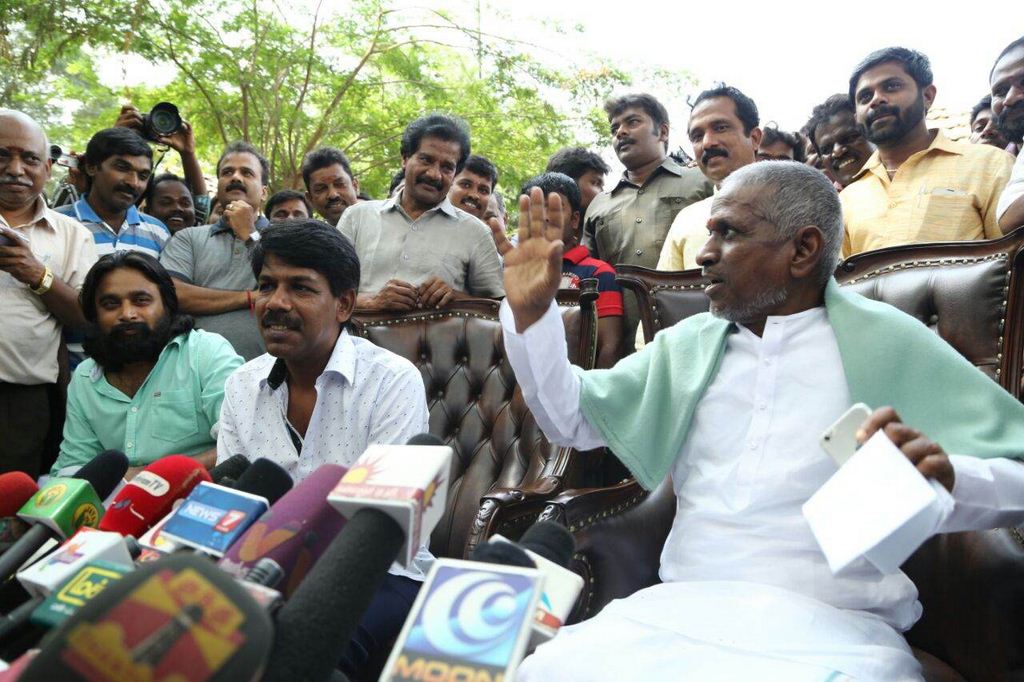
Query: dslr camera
column 162, row 119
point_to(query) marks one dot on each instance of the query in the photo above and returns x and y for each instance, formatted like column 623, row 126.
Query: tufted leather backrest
column 970, row 293
column 475, row 404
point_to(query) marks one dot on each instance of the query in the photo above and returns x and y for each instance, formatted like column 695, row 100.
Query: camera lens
column 164, row 118
column 55, row 152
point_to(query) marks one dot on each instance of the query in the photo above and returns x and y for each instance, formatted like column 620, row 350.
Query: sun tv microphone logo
column 470, row 623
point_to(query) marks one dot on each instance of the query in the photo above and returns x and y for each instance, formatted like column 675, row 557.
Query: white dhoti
column 724, row 631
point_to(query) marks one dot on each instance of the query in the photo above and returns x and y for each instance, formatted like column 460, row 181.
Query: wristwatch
column 44, row 284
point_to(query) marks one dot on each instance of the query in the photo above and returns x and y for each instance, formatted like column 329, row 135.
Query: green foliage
column 290, row 78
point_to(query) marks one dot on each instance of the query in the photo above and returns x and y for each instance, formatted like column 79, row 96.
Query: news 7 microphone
column 179, row 618
column 293, row 534
column 393, row 497
column 213, row 517
column 16, row 488
column 63, row 506
column 148, row 497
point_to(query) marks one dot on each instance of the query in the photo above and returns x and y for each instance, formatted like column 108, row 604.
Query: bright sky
column 793, row 58
column 774, row 60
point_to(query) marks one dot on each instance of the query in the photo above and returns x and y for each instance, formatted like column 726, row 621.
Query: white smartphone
column 840, row 439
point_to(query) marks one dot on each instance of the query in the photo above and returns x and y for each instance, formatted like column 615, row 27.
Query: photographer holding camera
column 163, row 125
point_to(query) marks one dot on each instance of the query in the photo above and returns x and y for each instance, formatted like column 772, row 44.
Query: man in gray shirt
column 210, row 263
column 416, row 249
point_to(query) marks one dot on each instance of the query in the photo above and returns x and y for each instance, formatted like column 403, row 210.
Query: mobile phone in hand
column 840, row 439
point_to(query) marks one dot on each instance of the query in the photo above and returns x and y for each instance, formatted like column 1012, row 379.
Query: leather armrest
column 619, row 532
column 510, row 511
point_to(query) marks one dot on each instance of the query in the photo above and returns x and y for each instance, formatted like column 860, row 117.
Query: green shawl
column 644, row 405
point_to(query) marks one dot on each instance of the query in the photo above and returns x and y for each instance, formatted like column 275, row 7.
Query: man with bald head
column 44, row 257
column 727, row 407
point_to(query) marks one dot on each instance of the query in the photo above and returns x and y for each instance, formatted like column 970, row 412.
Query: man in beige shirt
column 44, row 258
column 918, row 186
column 628, row 224
column 724, row 132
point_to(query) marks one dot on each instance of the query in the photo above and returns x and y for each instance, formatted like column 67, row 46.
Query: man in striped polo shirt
column 118, row 164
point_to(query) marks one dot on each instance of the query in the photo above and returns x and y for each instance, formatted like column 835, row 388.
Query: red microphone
column 148, row 497
column 16, row 488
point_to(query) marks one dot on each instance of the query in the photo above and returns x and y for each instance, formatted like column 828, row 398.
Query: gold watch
column 45, row 284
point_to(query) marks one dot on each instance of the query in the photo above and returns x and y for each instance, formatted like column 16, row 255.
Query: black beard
column 1011, row 130
column 115, row 350
column 905, row 122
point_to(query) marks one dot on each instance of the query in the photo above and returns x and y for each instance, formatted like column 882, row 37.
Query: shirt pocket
column 946, row 217
column 174, row 416
column 666, row 210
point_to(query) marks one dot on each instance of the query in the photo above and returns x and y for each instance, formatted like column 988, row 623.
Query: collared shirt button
column 752, row 445
column 640, row 191
column 767, row 361
column 892, row 205
column 135, row 408
column 762, row 406
column 679, row 200
column 639, row 252
column 405, row 256
column 639, row 220
column 129, row 445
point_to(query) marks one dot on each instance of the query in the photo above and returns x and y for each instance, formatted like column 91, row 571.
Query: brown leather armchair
column 971, row 584
column 504, row 470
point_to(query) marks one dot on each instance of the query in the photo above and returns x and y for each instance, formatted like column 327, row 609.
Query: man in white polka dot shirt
column 320, row 395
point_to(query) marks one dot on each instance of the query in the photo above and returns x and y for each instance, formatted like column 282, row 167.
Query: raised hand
column 533, row 269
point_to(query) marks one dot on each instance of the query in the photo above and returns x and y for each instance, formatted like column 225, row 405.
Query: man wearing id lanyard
column 210, row 263
column 44, row 257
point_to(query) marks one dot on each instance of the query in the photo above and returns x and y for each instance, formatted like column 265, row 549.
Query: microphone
column 390, row 493
column 233, row 467
column 549, row 546
column 293, row 533
column 177, row 618
column 16, row 488
column 314, row 626
column 470, row 620
column 63, row 506
column 407, row 482
column 148, row 497
column 44, row 577
column 213, row 517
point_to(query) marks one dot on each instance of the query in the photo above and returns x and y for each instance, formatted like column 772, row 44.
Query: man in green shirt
column 153, row 384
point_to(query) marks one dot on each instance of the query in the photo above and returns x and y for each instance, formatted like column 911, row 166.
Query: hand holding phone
column 840, row 439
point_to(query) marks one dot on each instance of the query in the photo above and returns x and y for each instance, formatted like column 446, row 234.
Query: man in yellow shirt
column 724, row 132
column 918, row 186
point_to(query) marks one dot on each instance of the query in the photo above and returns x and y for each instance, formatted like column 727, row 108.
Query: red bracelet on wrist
column 252, row 305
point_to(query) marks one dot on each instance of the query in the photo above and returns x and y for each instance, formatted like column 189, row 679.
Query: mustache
column 235, row 184
column 12, row 180
column 127, row 189
column 275, row 318
column 882, row 111
column 624, row 141
column 423, row 179
column 712, row 153
column 119, row 330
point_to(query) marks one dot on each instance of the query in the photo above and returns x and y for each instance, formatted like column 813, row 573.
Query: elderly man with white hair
column 731, row 405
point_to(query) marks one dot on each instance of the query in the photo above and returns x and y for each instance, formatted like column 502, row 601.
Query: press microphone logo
column 469, row 626
column 86, row 515
column 51, row 494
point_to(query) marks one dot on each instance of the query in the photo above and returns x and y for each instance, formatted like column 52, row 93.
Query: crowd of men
column 150, row 317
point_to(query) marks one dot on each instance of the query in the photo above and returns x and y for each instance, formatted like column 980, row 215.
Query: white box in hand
column 877, row 506
column 409, row 483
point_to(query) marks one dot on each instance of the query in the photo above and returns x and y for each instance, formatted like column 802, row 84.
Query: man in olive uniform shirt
column 628, row 224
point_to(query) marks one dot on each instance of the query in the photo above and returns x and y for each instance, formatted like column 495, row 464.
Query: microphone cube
column 409, row 483
column 212, row 517
column 46, row 575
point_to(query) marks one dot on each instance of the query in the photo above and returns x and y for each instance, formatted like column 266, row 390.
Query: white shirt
column 365, row 395
column 752, row 458
column 29, row 333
